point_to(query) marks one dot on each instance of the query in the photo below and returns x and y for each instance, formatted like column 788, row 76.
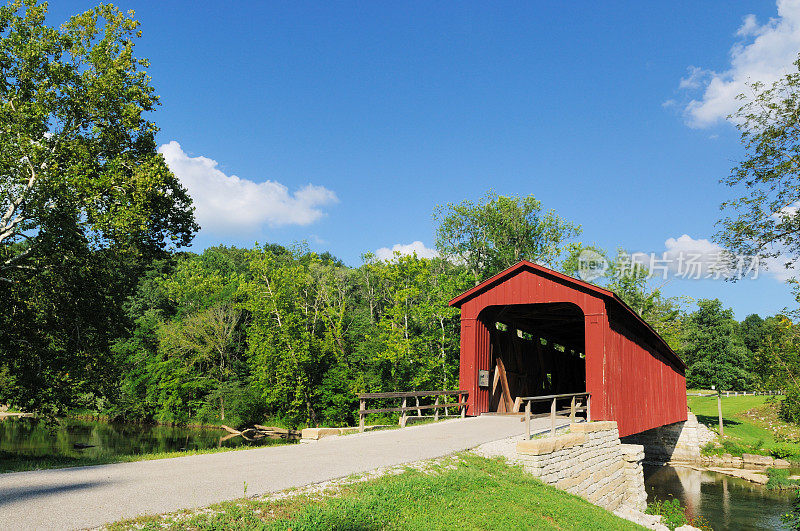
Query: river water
column 29, row 437
column 724, row 502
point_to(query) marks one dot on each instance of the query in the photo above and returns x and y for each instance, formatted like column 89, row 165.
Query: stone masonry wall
column 590, row 462
column 678, row 442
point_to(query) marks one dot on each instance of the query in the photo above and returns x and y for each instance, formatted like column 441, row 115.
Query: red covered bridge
column 548, row 333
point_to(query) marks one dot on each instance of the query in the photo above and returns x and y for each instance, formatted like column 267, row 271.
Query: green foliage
column 86, row 202
column 790, row 407
column 779, row 479
column 713, row 349
column 761, row 220
column 499, row 231
column 674, row 515
column 792, row 519
column 776, row 361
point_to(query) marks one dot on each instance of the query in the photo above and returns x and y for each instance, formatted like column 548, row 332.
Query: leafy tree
column 764, row 219
column 752, row 331
column 713, row 349
column 206, row 342
column 499, row 231
column 183, row 357
column 86, row 202
column 78, row 153
column 777, row 359
column 288, row 347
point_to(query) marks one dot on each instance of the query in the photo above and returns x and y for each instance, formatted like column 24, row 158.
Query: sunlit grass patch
column 467, row 492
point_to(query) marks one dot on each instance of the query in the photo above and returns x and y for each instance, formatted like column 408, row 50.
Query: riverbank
column 751, row 426
column 458, row 492
column 26, row 444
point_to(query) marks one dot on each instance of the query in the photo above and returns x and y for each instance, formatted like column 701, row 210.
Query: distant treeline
column 239, row 335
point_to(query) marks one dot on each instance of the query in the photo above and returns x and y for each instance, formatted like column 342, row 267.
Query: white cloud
column 226, row 202
column 690, row 258
column 764, row 52
column 384, row 253
column 777, row 268
column 693, row 258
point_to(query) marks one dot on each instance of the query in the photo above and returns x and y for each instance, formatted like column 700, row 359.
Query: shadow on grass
column 713, row 422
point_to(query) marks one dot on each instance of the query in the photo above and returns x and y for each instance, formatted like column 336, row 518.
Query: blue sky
column 347, row 123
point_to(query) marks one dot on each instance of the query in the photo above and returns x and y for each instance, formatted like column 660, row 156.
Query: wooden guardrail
column 740, row 393
column 418, row 407
column 574, row 407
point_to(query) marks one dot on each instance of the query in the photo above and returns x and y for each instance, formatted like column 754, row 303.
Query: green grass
column 745, row 432
column 14, row 462
column 465, row 492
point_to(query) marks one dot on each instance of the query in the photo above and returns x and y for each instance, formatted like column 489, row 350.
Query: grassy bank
column 465, row 492
column 751, row 424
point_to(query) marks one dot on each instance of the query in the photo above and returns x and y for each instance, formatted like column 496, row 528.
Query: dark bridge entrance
column 537, row 349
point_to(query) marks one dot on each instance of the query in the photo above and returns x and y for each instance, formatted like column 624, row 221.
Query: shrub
column 779, row 479
column 673, row 514
column 790, row 407
column 734, row 448
column 709, row 448
column 756, row 446
column 782, row 451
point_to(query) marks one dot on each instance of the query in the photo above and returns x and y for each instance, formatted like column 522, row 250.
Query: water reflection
column 30, row 437
column 725, row 502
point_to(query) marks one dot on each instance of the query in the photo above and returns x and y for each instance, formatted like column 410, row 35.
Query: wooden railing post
column 463, row 399
column 528, row 418
column 553, row 418
column 419, row 411
column 588, row 408
column 361, row 407
column 572, row 410
column 403, row 414
column 436, row 409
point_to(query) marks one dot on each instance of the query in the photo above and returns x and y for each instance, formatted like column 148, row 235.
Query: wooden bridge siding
column 645, row 389
column 629, row 381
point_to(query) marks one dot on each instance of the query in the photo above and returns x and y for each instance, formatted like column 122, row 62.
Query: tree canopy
column 764, row 218
column 499, row 231
column 86, row 202
column 79, row 165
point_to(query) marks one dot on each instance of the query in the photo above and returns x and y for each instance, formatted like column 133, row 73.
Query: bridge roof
column 574, row 283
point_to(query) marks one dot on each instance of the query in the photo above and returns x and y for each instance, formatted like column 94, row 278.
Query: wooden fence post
column 588, row 408
column 553, row 418
column 463, row 399
column 572, row 410
column 419, row 411
column 528, row 418
column 361, row 408
column 403, row 414
column 436, row 409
